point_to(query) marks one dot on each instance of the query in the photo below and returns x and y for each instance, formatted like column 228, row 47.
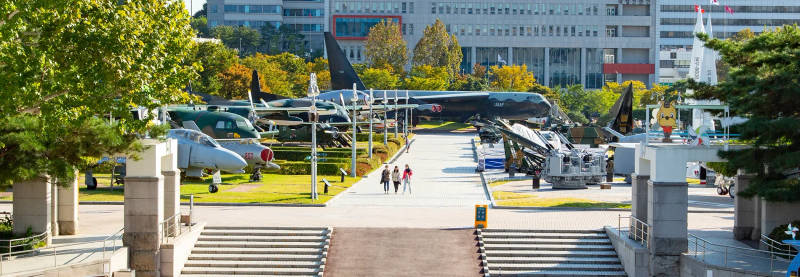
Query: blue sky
column 198, row 4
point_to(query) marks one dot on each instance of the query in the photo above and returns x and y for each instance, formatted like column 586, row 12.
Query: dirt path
column 402, row 252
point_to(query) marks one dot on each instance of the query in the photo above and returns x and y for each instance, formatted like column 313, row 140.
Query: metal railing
column 777, row 247
column 62, row 248
column 738, row 257
column 637, row 230
column 25, row 243
column 171, row 227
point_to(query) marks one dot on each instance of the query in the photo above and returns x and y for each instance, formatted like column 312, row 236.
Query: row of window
column 306, row 27
column 303, row 12
column 690, row 34
column 523, row 30
column 357, row 26
column 267, row 9
column 736, row 9
column 257, row 24
column 732, row 22
column 373, row 7
column 513, row 9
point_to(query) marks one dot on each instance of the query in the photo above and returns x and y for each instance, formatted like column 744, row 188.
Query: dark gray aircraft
column 458, row 105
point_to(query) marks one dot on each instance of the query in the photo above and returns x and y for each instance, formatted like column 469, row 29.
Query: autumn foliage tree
column 512, row 78
column 426, row 77
column 236, row 82
column 437, row 48
column 385, row 46
column 380, row 78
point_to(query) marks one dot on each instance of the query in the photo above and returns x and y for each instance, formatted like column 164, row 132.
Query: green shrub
column 295, row 155
column 304, row 168
column 779, row 233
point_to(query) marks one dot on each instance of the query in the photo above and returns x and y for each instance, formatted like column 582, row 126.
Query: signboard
column 480, row 216
column 217, row 179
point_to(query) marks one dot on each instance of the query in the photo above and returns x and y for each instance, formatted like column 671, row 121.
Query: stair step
column 249, row 275
column 552, row 260
column 266, row 251
column 254, row 257
column 487, row 231
column 525, row 235
column 499, row 241
column 550, row 253
column 557, row 273
column 249, row 271
column 557, row 266
column 245, row 244
column 264, row 233
column 264, row 228
column 588, row 247
column 252, row 264
column 264, row 238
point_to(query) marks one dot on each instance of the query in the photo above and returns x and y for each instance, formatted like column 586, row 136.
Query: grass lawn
column 500, row 183
column 505, row 198
column 443, row 125
column 274, row 188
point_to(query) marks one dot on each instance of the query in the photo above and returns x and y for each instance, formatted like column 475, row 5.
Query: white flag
column 715, row 2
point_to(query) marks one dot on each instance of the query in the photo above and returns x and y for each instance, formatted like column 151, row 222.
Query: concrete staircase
column 259, row 251
column 507, row 252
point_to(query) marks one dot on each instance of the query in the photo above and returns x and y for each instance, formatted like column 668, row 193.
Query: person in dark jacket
column 385, row 178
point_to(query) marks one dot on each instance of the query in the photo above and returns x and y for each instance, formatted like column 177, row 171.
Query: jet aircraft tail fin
column 255, row 90
column 622, row 112
column 342, row 73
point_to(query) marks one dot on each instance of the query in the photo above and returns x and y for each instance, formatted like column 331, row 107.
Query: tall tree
column 214, row 58
column 284, row 39
column 379, row 78
column 320, row 67
column 203, row 12
column 235, row 82
column 200, row 25
column 65, row 66
column 426, row 77
column 763, row 84
column 740, row 36
column 275, row 78
column 437, row 48
column 245, row 39
column 385, row 47
column 512, row 78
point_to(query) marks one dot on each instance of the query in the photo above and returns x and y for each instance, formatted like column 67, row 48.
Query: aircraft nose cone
column 231, row 162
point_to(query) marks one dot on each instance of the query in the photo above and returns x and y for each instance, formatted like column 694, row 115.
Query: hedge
column 294, row 155
column 304, row 168
column 375, row 137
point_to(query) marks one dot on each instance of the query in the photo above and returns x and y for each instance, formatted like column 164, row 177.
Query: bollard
column 535, row 183
column 326, row 188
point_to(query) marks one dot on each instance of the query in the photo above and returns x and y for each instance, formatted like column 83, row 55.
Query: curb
column 199, row 204
column 488, row 191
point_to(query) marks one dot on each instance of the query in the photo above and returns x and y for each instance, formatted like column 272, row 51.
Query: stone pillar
column 639, row 189
column 667, row 208
column 774, row 214
column 53, row 209
column 744, row 211
column 68, row 208
column 32, row 207
column 756, row 234
column 546, row 67
column 583, row 67
column 172, row 198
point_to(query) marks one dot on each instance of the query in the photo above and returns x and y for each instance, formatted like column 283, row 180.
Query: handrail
column 169, row 226
column 776, row 246
column 34, row 239
column 637, row 230
column 704, row 247
column 113, row 237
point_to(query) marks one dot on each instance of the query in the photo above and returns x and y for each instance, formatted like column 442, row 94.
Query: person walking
column 407, row 145
column 385, row 177
column 407, row 179
column 396, row 178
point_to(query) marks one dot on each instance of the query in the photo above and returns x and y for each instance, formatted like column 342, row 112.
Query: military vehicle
column 198, row 151
column 219, row 125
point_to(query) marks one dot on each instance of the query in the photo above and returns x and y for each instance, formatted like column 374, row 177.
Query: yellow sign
column 481, row 218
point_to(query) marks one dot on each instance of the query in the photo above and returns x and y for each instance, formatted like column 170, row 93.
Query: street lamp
column 395, row 114
column 385, row 115
column 371, row 100
column 353, row 158
column 313, row 91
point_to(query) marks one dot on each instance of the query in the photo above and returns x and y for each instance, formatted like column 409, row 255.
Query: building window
column 358, row 27
column 487, row 56
column 212, row 9
column 594, row 68
column 673, row 55
column 565, row 66
column 403, row 7
column 411, row 7
column 611, row 31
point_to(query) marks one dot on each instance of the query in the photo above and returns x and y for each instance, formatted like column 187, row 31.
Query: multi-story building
column 308, row 17
column 562, row 42
column 676, row 19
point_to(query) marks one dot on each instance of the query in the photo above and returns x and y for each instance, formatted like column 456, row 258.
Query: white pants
column 407, row 183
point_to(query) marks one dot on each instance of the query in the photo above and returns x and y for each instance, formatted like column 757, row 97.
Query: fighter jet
column 197, row 151
column 257, row 155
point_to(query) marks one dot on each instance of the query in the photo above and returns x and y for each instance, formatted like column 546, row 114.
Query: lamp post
column 371, row 100
column 385, row 115
column 395, row 114
column 353, row 158
column 313, row 91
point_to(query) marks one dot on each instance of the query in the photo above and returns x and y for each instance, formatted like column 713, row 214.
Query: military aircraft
column 254, row 153
column 216, row 124
column 197, row 151
column 459, row 105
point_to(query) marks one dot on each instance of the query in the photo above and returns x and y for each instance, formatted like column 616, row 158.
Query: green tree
column 247, row 40
column 285, row 39
column 214, row 58
column 385, row 47
column 512, row 78
column 203, row 12
column 740, row 36
column 426, row 77
column 437, row 48
column 468, row 82
column 200, row 25
column 379, row 78
column 764, row 85
column 67, row 66
column 235, row 82
column 275, row 78
column 320, row 67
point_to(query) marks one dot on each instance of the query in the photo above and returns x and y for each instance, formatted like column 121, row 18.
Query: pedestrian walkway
column 444, row 176
column 65, row 250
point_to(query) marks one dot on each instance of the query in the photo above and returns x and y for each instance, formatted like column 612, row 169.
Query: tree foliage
column 247, row 40
column 236, row 82
column 740, row 36
column 379, row 78
column 200, row 25
column 512, row 78
column 426, row 77
column 214, row 59
column 385, row 47
column 66, row 66
column 763, row 84
column 437, row 48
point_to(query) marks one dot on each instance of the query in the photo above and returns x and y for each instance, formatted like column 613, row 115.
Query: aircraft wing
column 451, row 95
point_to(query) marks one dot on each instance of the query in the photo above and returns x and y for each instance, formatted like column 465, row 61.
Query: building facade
column 676, row 19
column 562, row 42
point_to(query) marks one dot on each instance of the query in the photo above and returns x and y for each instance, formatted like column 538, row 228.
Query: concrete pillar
column 32, row 207
column 68, row 208
column 511, row 56
column 756, row 234
column 744, row 211
column 474, row 58
column 53, row 209
column 618, row 59
column 172, row 198
column 667, row 208
column 774, row 214
column 639, row 189
column 546, row 67
column 583, row 67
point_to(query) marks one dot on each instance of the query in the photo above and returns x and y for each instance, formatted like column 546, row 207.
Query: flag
column 696, row 8
column 715, row 2
column 501, row 60
column 729, row 9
